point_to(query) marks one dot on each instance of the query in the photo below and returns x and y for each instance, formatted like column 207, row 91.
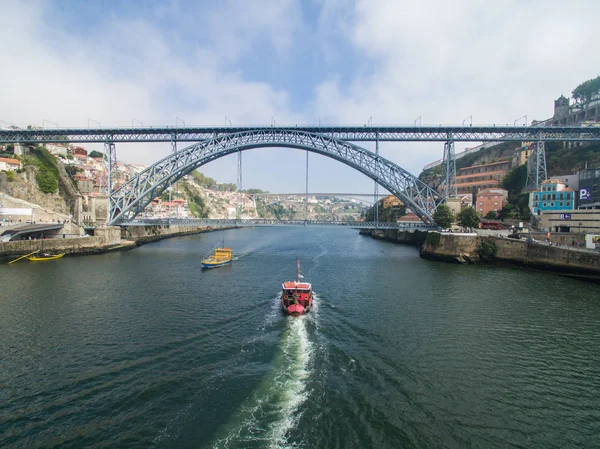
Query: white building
column 9, row 164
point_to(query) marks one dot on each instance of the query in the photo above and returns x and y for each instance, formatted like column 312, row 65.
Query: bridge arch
column 132, row 197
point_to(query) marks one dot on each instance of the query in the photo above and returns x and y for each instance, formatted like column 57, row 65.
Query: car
column 515, row 236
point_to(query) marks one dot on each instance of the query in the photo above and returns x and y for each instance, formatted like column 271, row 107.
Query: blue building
column 553, row 196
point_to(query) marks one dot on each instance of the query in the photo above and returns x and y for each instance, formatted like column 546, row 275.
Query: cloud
column 445, row 61
column 341, row 60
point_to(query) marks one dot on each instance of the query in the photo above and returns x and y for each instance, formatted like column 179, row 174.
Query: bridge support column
column 239, row 185
column 110, row 153
column 449, row 168
column 536, row 167
column 306, row 200
column 173, row 150
column 376, row 187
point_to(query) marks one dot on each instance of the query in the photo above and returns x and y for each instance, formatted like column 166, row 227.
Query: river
column 143, row 349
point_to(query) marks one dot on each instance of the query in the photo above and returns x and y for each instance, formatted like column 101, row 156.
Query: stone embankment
column 103, row 240
column 471, row 248
column 109, row 238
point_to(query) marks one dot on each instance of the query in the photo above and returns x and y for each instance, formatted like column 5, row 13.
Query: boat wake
column 272, row 409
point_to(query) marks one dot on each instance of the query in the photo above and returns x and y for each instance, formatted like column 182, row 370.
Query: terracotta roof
column 9, row 160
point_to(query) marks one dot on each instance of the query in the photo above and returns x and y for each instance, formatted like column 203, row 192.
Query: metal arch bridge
column 258, row 222
column 132, row 197
column 352, row 133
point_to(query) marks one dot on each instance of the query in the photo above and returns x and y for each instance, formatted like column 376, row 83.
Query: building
column 554, row 195
column 586, row 221
column 466, row 200
column 9, row 164
column 567, row 114
column 84, row 184
column 589, row 189
column 391, row 201
column 79, row 151
column 477, row 177
column 56, row 148
column 491, row 200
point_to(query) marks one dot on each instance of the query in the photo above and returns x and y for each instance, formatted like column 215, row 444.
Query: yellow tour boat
column 220, row 257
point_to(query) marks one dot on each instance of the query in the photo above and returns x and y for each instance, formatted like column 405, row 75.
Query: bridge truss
column 131, row 198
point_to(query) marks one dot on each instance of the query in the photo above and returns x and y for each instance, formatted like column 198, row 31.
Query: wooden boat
column 220, row 257
column 296, row 296
column 45, row 256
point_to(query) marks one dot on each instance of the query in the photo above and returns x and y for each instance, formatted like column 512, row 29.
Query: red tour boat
column 296, row 296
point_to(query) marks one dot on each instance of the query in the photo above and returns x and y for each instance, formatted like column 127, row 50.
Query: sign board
column 565, row 216
column 585, row 193
column 15, row 211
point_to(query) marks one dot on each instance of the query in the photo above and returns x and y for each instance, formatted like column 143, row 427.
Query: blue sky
column 340, row 61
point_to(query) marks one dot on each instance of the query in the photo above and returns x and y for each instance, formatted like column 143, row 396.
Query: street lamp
column 48, row 121
column 139, row 121
column 418, row 119
column 525, row 117
column 92, row 120
column 470, row 117
column 178, row 119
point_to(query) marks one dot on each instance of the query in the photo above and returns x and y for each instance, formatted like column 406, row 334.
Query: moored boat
column 220, row 257
column 45, row 256
column 296, row 296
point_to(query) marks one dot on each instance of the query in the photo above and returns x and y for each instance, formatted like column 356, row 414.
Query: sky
column 80, row 63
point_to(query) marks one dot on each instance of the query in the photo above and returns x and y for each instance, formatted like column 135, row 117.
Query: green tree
column 491, row 215
column 468, row 218
column 507, row 212
column 95, row 153
column 443, row 216
column 587, row 91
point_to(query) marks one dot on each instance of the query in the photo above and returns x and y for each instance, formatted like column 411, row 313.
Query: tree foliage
column 468, row 218
column 487, row 250
column 587, row 91
column 387, row 214
column 443, row 216
column 47, row 169
column 95, row 154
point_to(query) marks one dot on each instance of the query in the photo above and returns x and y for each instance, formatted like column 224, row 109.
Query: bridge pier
column 536, row 167
column 449, row 168
column 110, row 153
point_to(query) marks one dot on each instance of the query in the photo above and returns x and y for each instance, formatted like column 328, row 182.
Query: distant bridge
column 256, row 222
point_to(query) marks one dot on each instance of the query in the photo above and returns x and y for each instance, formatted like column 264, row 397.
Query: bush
column 10, row 176
column 491, row 215
column 487, row 250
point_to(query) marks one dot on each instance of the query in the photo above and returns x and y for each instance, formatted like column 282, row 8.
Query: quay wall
column 463, row 248
column 146, row 234
column 104, row 240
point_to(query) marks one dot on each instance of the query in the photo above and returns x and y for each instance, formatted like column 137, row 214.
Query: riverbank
column 105, row 239
column 472, row 248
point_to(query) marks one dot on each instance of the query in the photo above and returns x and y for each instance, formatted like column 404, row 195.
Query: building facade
column 491, row 200
column 476, row 177
column 554, row 195
column 589, row 189
column 9, row 164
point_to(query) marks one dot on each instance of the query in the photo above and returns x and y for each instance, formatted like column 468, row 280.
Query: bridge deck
column 391, row 133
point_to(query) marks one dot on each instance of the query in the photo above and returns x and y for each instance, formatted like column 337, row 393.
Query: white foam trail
column 271, row 411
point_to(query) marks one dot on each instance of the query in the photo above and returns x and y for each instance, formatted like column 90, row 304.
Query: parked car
column 515, row 236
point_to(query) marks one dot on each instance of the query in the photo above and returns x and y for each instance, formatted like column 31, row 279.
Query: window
column 496, row 203
column 560, row 197
column 561, row 203
column 545, row 204
column 568, row 203
column 489, row 198
column 554, row 196
column 551, row 204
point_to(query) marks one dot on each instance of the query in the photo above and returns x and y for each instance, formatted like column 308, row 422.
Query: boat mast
column 298, row 270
